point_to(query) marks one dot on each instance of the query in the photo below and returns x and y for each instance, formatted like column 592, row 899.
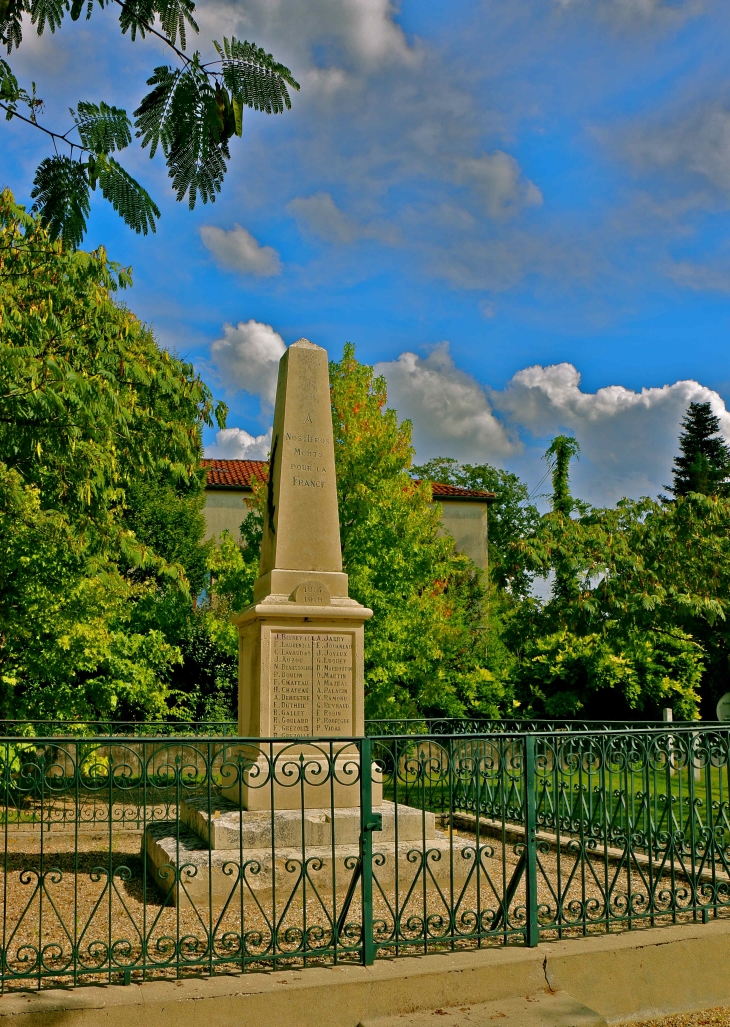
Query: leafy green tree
column 89, row 404
column 190, row 113
column 640, row 614
column 67, row 644
column 704, row 461
column 511, row 515
column 100, row 484
column 427, row 646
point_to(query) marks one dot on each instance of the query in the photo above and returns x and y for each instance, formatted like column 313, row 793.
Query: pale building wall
column 225, row 510
column 466, row 522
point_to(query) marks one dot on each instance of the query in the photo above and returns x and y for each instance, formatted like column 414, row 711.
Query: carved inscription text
column 311, row 683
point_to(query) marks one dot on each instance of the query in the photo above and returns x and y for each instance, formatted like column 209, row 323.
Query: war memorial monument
column 301, row 676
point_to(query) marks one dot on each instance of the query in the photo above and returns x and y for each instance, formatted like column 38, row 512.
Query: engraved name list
column 311, row 683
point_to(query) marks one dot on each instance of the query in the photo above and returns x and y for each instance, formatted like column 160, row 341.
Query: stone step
column 180, row 863
column 226, row 827
column 544, row 1009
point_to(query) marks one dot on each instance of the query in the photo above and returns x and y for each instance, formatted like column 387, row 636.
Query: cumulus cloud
column 628, row 438
column 237, row 444
column 343, row 32
column 247, row 357
column 449, row 409
column 498, row 181
column 320, row 215
column 237, row 250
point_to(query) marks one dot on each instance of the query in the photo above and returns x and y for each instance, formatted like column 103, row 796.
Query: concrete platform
column 229, row 826
column 623, row 977
column 544, row 1009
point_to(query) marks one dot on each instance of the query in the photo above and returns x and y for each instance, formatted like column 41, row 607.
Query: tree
column 704, row 461
column 68, row 647
column 191, row 112
column 100, row 487
column 642, row 613
column 511, row 515
column 430, row 648
column 89, row 404
column 427, row 647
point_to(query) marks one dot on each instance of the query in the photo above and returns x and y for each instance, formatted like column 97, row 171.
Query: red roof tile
column 238, row 474
column 456, row 492
column 235, row 474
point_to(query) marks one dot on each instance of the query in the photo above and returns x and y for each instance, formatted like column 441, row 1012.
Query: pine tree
column 704, row 461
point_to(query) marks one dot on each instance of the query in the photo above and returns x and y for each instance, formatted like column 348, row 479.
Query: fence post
column 366, row 850
column 532, row 932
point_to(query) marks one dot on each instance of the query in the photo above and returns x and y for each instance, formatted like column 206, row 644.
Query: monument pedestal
column 300, row 677
column 232, row 857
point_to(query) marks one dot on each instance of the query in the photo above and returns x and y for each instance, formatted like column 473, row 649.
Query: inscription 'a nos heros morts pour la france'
column 306, row 460
column 311, row 683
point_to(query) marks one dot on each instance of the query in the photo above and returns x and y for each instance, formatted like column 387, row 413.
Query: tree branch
column 42, row 128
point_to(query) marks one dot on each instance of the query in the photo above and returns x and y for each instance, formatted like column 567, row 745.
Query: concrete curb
column 623, row 977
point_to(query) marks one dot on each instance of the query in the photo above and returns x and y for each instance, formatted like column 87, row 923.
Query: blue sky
column 517, row 209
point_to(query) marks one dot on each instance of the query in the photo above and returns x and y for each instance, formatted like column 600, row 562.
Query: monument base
column 301, row 666
column 296, row 776
column 208, row 856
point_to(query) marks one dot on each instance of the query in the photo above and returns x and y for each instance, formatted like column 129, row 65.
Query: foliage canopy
column 97, row 426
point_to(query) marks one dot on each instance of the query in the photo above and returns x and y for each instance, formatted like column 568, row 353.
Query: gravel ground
column 718, row 1016
column 101, row 900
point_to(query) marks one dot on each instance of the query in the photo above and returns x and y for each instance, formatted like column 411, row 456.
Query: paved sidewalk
column 543, row 1009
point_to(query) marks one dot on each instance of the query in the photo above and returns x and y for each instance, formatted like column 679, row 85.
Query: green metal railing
column 373, row 728
column 133, row 858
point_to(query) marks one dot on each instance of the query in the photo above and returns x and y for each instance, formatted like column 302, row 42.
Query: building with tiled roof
column 229, row 482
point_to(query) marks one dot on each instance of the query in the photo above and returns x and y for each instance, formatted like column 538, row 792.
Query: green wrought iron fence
column 130, row 858
column 373, row 728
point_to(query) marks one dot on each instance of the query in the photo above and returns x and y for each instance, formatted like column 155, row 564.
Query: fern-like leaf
column 102, row 129
column 61, row 194
column 11, row 23
column 152, row 117
column 174, row 16
column 136, row 16
column 48, row 12
column 9, row 88
column 130, row 200
column 254, row 78
column 184, row 115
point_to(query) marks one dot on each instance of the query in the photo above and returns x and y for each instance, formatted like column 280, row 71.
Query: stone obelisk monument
column 301, row 642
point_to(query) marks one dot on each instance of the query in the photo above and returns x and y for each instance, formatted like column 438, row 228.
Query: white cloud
column 450, row 411
column 346, row 32
column 237, row 444
column 637, row 11
column 247, row 357
column 320, row 215
column 628, row 439
column 700, row 277
column 237, row 250
column 498, row 181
